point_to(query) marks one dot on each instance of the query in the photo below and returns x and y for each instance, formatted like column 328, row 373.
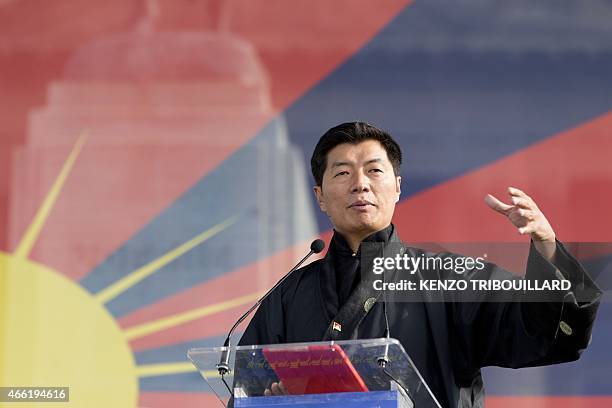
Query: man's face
column 359, row 189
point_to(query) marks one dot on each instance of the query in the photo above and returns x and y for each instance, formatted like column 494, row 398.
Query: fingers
column 530, row 220
column 524, row 214
column 517, row 220
column 521, row 202
column 513, row 191
column 520, row 199
column 497, row 205
column 523, row 220
column 276, row 389
column 527, row 215
column 282, row 387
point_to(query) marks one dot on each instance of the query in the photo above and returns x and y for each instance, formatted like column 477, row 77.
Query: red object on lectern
column 315, row 370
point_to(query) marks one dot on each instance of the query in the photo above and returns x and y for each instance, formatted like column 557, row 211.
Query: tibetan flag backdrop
column 154, row 166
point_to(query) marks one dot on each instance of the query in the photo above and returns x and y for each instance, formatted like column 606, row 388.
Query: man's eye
column 341, row 173
column 376, row 170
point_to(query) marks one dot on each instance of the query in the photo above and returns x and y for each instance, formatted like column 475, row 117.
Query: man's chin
column 368, row 227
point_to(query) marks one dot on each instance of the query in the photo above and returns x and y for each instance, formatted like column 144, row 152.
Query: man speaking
column 356, row 168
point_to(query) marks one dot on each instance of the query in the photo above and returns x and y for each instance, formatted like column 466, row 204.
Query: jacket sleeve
column 526, row 331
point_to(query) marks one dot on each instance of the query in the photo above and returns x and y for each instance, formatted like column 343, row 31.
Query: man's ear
column 398, row 188
column 319, row 194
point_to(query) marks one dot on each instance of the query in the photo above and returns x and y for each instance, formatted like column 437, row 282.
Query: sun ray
column 131, row 279
column 152, row 370
column 31, row 234
column 184, row 317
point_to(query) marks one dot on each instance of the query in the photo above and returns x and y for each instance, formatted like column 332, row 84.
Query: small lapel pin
column 368, row 304
column 336, row 326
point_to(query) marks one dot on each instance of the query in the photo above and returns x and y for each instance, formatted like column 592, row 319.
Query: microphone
column 384, row 359
column 223, row 367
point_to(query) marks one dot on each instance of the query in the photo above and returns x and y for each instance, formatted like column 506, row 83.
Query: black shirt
column 347, row 268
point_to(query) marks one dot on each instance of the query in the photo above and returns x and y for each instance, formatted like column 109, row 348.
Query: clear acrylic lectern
column 255, row 368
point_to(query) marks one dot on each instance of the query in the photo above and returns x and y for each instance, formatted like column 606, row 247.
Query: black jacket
column 448, row 339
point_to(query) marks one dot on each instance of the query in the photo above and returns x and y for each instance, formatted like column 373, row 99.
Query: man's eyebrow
column 376, row 160
column 341, row 163
column 349, row 163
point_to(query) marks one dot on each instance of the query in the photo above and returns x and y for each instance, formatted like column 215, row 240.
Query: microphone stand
column 223, row 366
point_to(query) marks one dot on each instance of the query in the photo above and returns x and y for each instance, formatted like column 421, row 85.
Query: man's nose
column 361, row 183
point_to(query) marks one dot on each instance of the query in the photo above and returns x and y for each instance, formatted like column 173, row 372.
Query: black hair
column 353, row 133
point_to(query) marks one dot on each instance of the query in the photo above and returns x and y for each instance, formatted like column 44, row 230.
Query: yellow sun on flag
column 53, row 333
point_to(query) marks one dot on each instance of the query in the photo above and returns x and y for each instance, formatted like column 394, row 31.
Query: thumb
column 497, row 205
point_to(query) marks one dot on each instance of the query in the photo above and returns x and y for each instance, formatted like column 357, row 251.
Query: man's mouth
column 361, row 204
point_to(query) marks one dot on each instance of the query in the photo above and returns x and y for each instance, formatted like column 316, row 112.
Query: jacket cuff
column 566, row 314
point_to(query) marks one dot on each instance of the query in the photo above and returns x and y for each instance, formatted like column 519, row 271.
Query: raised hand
column 524, row 214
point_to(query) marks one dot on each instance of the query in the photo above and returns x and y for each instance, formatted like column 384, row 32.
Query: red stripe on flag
column 568, row 175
